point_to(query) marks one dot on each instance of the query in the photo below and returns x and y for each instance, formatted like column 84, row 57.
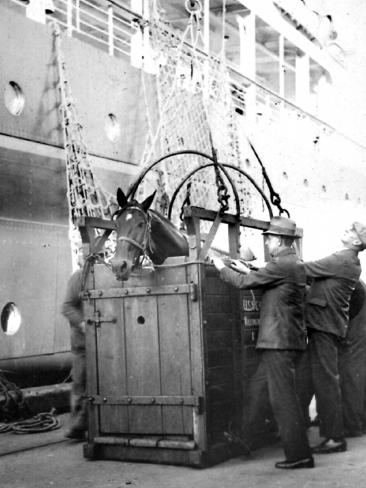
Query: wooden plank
column 219, row 374
column 112, row 366
column 219, row 339
column 217, row 304
column 218, row 320
column 91, row 367
column 234, row 239
column 196, row 274
column 142, row 361
column 215, row 286
column 204, row 214
column 173, row 271
column 104, row 278
column 147, row 454
column 220, row 357
column 175, row 361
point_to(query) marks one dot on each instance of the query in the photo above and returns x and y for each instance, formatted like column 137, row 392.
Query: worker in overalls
column 72, row 310
column 334, row 279
column 353, row 364
column 282, row 333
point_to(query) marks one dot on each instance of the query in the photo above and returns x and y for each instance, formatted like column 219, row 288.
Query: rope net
column 195, row 111
column 85, row 196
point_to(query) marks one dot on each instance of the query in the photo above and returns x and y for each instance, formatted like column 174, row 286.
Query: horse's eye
column 141, row 224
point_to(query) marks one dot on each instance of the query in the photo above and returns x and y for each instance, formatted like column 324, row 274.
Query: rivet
column 148, row 290
column 105, row 399
column 176, row 288
column 126, row 292
column 100, row 293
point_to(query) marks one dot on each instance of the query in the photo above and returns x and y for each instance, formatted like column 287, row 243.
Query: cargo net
column 195, row 111
column 85, row 196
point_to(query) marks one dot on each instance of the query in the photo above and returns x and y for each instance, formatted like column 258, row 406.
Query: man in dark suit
column 334, row 279
column 282, row 334
column 353, row 364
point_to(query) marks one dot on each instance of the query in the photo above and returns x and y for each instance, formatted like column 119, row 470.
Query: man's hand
column 239, row 266
column 218, row 263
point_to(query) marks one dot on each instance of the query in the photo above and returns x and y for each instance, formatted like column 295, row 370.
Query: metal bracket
column 158, row 400
column 179, row 289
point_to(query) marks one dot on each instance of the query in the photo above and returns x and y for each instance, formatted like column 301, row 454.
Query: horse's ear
column 121, row 198
column 146, row 203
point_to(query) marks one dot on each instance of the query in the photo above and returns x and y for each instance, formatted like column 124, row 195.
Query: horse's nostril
column 123, row 265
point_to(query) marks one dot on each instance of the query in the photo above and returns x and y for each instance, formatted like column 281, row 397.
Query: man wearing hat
column 282, row 334
column 327, row 315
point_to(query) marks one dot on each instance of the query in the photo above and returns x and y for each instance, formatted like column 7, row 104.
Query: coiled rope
column 15, row 413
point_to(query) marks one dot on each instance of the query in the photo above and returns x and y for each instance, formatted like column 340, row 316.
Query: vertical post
column 281, row 56
column 302, row 80
column 69, row 18
column 110, row 31
column 77, row 12
column 234, row 240
column 206, row 26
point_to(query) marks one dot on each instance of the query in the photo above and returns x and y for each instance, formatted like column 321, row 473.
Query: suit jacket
column 335, row 278
column 281, row 324
column 357, row 314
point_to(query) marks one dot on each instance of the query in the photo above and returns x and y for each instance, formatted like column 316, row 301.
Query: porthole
column 11, row 319
column 112, row 128
column 14, row 98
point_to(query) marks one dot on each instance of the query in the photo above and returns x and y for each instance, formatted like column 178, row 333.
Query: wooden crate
column 162, row 364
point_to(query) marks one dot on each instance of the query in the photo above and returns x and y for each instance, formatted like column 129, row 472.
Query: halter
column 145, row 247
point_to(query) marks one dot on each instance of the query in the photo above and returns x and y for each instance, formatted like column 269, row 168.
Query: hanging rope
column 274, row 196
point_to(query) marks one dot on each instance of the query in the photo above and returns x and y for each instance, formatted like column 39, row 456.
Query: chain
column 186, row 201
column 222, row 191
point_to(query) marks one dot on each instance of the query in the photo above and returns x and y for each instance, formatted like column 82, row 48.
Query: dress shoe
column 330, row 445
column 300, row 463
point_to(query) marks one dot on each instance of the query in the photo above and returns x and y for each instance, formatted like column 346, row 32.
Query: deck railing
column 111, row 24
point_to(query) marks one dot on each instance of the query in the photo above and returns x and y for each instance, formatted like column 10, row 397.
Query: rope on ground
column 15, row 413
column 42, row 422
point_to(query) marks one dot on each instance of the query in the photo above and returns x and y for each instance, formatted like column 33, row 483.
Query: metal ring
column 193, row 6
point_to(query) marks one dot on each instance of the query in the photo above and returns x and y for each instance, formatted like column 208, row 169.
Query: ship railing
column 110, row 25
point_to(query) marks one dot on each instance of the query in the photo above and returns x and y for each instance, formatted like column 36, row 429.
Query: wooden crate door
column 145, row 353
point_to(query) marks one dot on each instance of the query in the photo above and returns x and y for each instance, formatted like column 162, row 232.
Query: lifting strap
column 210, row 237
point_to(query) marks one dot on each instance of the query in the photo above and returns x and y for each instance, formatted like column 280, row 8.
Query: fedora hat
column 281, row 226
column 360, row 230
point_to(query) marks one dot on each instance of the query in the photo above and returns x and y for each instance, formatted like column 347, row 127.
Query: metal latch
column 97, row 319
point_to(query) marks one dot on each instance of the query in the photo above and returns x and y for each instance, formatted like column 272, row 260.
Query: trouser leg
column 353, row 377
column 325, row 370
column 304, row 383
column 257, row 412
column 281, row 376
column 78, row 401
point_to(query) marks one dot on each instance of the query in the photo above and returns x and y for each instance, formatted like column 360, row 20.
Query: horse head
column 142, row 231
column 132, row 226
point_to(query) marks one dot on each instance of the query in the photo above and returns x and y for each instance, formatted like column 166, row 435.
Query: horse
column 142, row 231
